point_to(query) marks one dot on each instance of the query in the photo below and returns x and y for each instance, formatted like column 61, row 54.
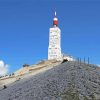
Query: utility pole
column 88, row 60
column 84, row 59
column 80, row 60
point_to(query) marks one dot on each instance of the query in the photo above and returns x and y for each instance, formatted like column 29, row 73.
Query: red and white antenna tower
column 55, row 20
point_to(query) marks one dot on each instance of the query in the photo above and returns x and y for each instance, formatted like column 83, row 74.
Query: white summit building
column 54, row 49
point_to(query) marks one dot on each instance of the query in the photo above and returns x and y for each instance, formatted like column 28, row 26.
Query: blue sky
column 24, row 29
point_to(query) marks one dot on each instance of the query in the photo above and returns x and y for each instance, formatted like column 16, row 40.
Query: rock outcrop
column 66, row 81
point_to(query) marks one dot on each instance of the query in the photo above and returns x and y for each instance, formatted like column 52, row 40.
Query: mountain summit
column 69, row 80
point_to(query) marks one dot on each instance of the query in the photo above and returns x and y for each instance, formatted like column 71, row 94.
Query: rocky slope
column 66, row 81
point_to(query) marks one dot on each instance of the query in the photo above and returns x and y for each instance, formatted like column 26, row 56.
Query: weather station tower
column 54, row 49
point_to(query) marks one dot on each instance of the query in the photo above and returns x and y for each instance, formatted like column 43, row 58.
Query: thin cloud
column 3, row 68
column 98, row 65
